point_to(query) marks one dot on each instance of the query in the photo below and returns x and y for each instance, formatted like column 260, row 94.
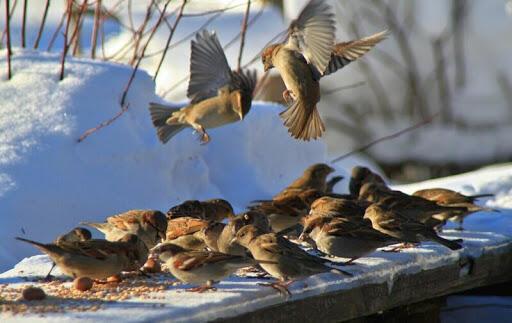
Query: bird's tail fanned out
column 159, row 115
column 302, row 122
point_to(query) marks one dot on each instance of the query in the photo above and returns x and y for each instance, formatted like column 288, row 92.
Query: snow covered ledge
column 381, row 281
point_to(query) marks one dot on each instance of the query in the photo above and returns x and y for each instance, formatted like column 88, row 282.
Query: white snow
column 49, row 182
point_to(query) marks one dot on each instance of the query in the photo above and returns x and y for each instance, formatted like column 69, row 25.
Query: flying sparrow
column 210, row 210
column 149, row 225
column 201, row 268
column 446, row 197
column 96, row 259
column 361, row 175
column 309, row 54
column 402, row 227
column 281, row 258
column 218, row 95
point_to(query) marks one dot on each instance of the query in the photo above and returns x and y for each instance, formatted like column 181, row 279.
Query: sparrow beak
column 303, row 236
column 241, row 115
column 233, row 241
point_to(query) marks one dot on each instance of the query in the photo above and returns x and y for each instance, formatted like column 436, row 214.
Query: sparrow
column 186, row 233
column 313, row 177
column 201, row 268
column 446, row 197
column 361, row 175
column 414, row 207
column 149, row 225
column 338, row 207
column 210, row 210
column 310, row 53
column 402, row 227
column 95, row 258
column 211, row 235
column 218, row 95
column 347, row 237
column 281, row 258
column 227, row 245
column 77, row 234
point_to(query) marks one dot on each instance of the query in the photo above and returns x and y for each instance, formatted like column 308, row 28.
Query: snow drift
column 49, row 182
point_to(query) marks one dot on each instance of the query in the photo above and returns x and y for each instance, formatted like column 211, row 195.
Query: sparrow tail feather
column 159, row 115
column 301, row 124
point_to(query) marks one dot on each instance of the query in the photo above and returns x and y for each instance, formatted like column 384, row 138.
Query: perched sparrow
column 77, row 234
column 338, row 207
column 314, row 177
column 211, row 235
column 402, row 227
column 329, row 187
column 281, row 258
column 348, row 237
column 210, row 210
column 218, row 95
column 309, row 54
column 202, row 268
column 96, row 259
column 361, row 175
column 149, row 225
column 446, row 197
column 227, row 245
column 415, row 207
column 186, row 233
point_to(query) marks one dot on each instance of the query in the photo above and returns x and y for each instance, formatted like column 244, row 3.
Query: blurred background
column 447, row 59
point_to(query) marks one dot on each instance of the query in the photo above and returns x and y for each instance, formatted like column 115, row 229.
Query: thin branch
column 141, row 56
column 242, row 35
column 23, row 24
column 75, row 38
column 66, row 46
column 341, row 88
column 442, row 81
column 140, row 32
column 15, row 2
column 56, row 32
column 104, row 124
column 392, row 136
column 95, row 29
column 41, row 26
column 171, row 34
column 8, row 32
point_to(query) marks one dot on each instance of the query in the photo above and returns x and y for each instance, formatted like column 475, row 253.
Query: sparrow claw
column 201, row 289
column 204, row 138
column 282, row 288
column 288, row 96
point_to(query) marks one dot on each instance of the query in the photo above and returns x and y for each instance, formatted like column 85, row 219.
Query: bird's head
column 267, row 56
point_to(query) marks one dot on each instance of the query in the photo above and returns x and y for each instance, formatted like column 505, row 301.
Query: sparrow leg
column 203, row 135
column 288, row 96
column 48, row 276
column 202, row 289
column 350, row 262
column 402, row 246
column 281, row 287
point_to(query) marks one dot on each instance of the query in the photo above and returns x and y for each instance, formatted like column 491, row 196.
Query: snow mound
column 49, row 182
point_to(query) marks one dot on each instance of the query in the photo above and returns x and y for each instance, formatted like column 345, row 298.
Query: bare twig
column 459, row 13
column 140, row 32
column 14, row 3
column 341, row 88
column 392, row 136
column 104, row 124
column 141, row 56
column 442, row 81
column 23, row 24
column 171, row 34
column 242, row 35
column 56, row 32
column 8, row 33
column 66, row 45
column 41, row 26
column 75, row 38
column 96, row 27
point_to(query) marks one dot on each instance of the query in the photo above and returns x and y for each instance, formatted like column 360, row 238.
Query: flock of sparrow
column 219, row 95
column 202, row 242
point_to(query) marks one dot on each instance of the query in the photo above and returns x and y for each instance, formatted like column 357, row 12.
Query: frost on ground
column 486, row 232
column 49, row 182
